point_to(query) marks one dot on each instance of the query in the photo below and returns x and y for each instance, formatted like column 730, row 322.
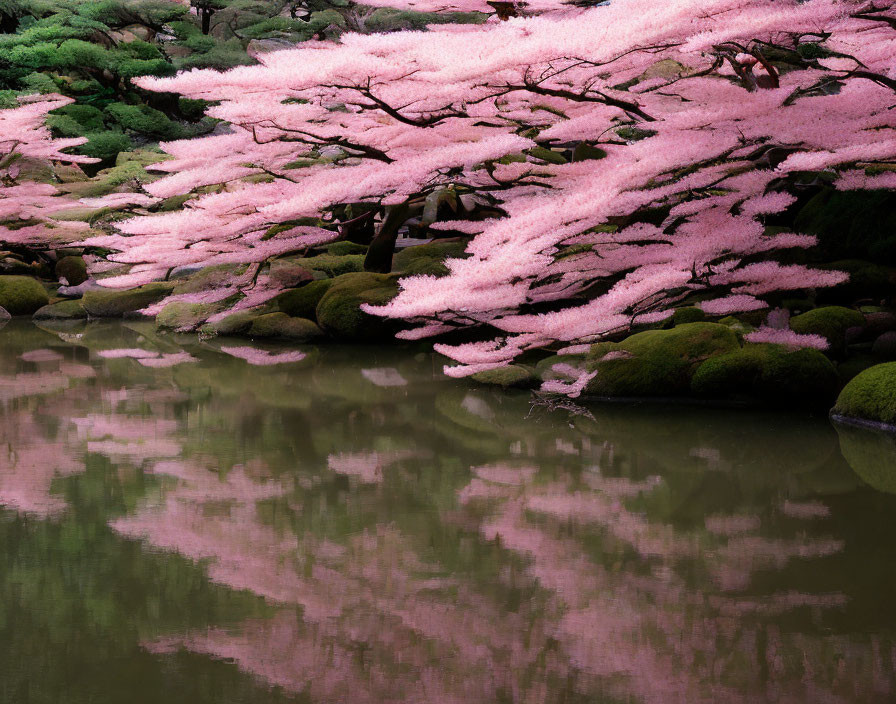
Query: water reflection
column 347, row 525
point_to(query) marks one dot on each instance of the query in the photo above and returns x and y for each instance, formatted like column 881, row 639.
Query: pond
column 180, row 525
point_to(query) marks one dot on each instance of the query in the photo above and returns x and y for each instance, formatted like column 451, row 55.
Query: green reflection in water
column 355, row 527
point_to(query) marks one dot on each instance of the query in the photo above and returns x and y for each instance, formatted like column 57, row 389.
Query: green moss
column 772, row 373
column 22, row 295
column 871, row 454
column 871, row 395
column 831, row 322
column 302, row 302
column 342, row 248
column 428, row 258
column 234, row 324
column 114, row 304
column 689, row 314
column 334, row 265
column 73, row 269
column 64, row 310
column 281, row 325
column 210, row 277
column 339, row 313
column 511, row 376
column 182, row 316
column 657, row 362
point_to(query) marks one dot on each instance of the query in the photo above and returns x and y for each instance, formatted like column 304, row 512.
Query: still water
column 179, row 525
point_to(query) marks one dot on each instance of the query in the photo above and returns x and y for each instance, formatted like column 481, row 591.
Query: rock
column 879, row 321
column 831, row 322
column 234, row 324
column 183, row 317
column 302, row 302
column 342, row 248
column 885, row 346
column 111, row 303
column 73, row 269
column 774, row 374
column 64, row 310
column 657, row 362
column 21, row 295
column 688, row 314
column 428, row 258
column 512, row 376
column 4, row 315
column 339, row 313
column 335, row 265
column 283, row 326
column 870, row 396
column 289, row 274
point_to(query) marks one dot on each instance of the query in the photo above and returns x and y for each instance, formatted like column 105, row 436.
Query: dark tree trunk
column 205, row 17
column 379, row 255
column 359, row 230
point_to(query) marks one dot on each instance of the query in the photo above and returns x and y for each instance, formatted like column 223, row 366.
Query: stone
column 22, row 295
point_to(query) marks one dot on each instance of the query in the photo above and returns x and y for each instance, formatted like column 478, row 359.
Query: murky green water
column 357, row 528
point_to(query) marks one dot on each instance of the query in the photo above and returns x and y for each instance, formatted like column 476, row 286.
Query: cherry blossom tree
column 606, row 161
column 26, row 206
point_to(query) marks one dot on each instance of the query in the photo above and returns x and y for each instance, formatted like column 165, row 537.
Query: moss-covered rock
column 555, row 367
column 333, row 265
column 73, row 269
column 340, row 249
column 21, row 295
column 182, row 316
column 871, row 454
column 64, row 310
column 772, row 373
column 871, row 395
column 302, row 302
column 114, row 304
column 428, row 258
column 339, row 312
column 512, row 376
column 234, row 324
column 688, row 314
column 283, row 326
column 831, row 322
column 657, row 362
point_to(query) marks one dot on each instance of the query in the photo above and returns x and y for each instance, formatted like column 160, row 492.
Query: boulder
column 63, row 310
column 870, row 396
column 428, row 258
column 112, row 303
column 302, row 302
column 885, row 346
column 688, row 314
column 511, row 376
column 835, row 323
column 73, row 269
column 234, row 324
column 657, row 362
column 283, row 326
column 333, row 265
column 339, row 312
column 774, row 374
column 22, row 295
column 183, row 316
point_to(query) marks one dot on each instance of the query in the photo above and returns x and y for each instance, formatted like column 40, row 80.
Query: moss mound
column 333, row 265
column 339, row 313
column 280, row 325
column 772, row 373
column 657, row 362
column 512, row 376
column 21, row 295
column 182, row 316
column 688, row 314
column 871, row 395
column 114, row 304
column 831, row 322
column 234, row 324
column 64, row 310
column 340, row 249
column 73, row 269
column 302, row 302
column 428, row 258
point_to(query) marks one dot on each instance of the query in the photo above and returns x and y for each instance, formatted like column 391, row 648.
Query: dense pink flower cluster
column 638, row 145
